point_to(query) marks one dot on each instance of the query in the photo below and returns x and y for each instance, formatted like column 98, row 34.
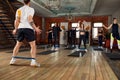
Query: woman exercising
column 82, row 34
column 114, row 34
column 100, row 38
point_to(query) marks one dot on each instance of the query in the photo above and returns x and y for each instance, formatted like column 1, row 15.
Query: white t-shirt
column 23, row 13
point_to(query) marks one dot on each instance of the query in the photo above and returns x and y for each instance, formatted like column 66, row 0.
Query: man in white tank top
column 25, row 27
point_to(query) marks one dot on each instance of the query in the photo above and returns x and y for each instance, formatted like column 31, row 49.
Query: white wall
column 117, row 15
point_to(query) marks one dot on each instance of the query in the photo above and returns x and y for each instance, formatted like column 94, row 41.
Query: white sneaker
column 77, row 49
column 56, row 49
column 52, row 48
column 85, row 50
column 12, row 61
column 34, row 64
column 101, row 47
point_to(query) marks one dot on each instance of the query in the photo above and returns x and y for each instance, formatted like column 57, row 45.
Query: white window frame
column 96, row 25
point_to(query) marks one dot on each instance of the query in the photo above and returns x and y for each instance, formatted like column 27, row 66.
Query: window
column 94, row 33
column 98, row 24
column 75, row 25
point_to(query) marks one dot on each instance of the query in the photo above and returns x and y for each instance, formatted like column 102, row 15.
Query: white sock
column 13, row 58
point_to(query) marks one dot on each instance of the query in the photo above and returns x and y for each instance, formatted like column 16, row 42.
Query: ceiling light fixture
column 69, row 15
column 54, row 4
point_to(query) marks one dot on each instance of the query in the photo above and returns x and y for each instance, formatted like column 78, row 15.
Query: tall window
column 95, row 29
column 94, row 33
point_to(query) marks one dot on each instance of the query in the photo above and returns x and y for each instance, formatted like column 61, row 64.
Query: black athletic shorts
column 25, row 33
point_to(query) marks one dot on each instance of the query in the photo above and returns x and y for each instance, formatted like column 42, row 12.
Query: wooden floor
column 57, row 66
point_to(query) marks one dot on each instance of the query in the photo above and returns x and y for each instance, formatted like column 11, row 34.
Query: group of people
column 25, row 29
column 53, row 35
column 83, row 35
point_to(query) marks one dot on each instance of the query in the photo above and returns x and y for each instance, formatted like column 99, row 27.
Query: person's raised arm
column 107, row 27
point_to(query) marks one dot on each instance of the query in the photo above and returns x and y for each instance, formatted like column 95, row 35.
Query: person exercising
column 100, row 38
column 82, row 35
column 56, row 29
column 50, row 34
column 115, row 33
column 73, row 36
column 25, row 27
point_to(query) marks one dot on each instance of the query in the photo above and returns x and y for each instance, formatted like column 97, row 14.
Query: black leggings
column 71, row 40
column 56, row 41
column 100, row 40
column 82, row 37
column 49, row 41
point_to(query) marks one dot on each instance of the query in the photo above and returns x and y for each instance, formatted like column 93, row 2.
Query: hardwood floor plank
column 102, row 66
column 92, row 75
column 98, row 72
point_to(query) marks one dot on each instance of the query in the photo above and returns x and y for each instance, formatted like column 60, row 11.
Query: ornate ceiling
column 75, row 7
column 63, row 7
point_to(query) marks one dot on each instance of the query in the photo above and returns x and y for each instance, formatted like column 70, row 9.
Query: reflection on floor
column 57, row 66
column 114, row 60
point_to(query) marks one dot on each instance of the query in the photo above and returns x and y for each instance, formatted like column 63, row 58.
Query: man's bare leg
column 33, row 54
column 16, row 48
column 15, row 52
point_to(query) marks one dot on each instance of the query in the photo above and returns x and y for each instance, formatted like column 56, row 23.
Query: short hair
column 114, row 19
column 26, row 1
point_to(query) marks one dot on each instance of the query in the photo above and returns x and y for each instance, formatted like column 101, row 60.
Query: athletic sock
column 13, row 58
